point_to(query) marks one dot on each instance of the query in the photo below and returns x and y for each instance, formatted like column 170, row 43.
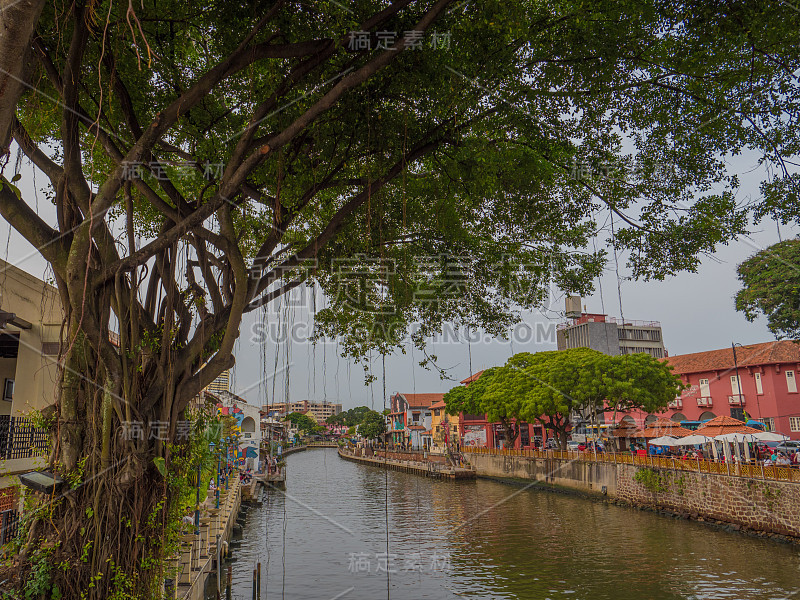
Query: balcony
column 677, row 403
column 704, row 401
column 736, row 400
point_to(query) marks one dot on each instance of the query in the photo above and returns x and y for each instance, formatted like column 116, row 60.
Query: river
column 325, row 539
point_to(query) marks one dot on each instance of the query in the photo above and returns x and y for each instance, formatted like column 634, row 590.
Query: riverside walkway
column 698, row 465
column 426, row 469
column 201, row 551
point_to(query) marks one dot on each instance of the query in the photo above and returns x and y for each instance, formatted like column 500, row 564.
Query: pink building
column 760, row 384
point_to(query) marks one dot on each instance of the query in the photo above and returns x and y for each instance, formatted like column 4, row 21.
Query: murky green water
column 325, row 539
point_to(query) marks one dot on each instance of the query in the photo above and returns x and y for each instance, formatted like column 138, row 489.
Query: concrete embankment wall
column 760, row 505
column 580, row 476
column 415, row 456
column 293, row 449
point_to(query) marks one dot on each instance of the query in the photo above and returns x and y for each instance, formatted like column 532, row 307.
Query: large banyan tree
column 421, row 161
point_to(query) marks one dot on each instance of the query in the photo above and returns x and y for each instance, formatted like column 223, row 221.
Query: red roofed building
column 472, row 378
column 410, row 420
column 759, row 383
column 476, row 431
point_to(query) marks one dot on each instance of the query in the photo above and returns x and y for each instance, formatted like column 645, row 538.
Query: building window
column 759, row 387
column 794, row 423
column 769, row 424
column 705, row 390
column 8, row 390
column 791, row 382
column 735, row 385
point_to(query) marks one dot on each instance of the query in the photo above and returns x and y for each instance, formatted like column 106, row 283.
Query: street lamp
column 215, row 451
column 227, row 462
column 197, row 503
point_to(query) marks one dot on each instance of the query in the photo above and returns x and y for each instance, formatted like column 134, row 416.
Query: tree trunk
column 512, row 432
column 107, row 531
column 18, row 19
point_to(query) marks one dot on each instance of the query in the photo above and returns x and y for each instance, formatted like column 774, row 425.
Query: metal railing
column 9, row 523
column 19, row 438
column 698, row 465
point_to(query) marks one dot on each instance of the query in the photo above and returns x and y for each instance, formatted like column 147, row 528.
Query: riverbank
column 201, row 552
column 426, row 469
column 758, row 506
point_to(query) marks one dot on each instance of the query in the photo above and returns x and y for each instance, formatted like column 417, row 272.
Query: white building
column 248, row 418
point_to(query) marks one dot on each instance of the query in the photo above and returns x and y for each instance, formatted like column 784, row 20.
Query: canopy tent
column 664, row 427
column 727, row 429
column 664, row 440
column 770, row 436
column 760, row 436
column 693, row 440
column 722, row 425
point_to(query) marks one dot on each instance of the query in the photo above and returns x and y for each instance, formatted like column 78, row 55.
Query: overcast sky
column 695, row 310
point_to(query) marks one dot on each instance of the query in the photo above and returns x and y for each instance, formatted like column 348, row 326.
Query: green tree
column 349, row 418
column 204, row 159
column 550, row 387
column 303, row 422
column 584, row 381
column 771, row 286
column 493, row 394
column 372, row 426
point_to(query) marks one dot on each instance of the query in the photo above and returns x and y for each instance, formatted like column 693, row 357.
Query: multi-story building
column 248, row 419
column 319, row 410
column 411, row 419
column 221, row 384
column 608, row 334
column 444, row 427
column 30, row 325
column 756, row 381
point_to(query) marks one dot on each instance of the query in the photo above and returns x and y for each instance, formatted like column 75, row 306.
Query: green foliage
column 349, row 418
column 652, row 479
column 429, row 186
column 39, row 584
column 550, row 386
column 372, row 425
column 303, row 422
column 771, row 286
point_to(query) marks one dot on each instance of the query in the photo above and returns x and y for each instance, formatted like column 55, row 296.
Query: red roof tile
column 722, row 425
column 422, row 400
column 767, row 353
column 439, row 404
column 472, row 378
column 417, row 427
column 663, row 426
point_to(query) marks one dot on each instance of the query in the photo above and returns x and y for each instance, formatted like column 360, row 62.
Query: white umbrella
column 769, row 436
column 693, row 440
column 735, row 437
column 664, row 440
